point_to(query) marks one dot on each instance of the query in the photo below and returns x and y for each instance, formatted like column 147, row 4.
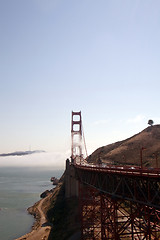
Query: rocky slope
column 63, row 214
column 129, row 151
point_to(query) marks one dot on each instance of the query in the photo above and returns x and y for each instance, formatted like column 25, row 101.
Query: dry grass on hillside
column 128, row 151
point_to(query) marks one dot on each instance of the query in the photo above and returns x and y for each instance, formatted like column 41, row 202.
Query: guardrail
column 125, row 170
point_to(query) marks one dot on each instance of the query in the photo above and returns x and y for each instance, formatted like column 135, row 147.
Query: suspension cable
column 84, row 142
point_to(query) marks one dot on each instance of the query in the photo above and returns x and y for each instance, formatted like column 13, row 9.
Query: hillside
column 128, row 151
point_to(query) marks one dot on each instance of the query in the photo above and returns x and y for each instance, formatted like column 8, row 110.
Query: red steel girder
column 104, row 217
column 141, row 190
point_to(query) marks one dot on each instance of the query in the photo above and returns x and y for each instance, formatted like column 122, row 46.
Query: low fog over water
column 45, row 159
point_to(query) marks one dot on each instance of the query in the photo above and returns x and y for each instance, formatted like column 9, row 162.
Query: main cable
column 84, row 142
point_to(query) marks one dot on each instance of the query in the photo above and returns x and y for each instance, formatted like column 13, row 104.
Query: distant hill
column 128, row 151
column 20, row 153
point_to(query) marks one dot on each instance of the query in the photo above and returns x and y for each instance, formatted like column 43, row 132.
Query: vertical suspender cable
column 84, row 142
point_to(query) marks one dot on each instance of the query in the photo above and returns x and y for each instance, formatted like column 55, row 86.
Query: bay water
column 20, row 188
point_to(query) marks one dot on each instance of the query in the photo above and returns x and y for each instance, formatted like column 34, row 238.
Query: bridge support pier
column 71, row 183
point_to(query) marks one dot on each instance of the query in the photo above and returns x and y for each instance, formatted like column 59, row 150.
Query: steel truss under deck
column 118, row 207
column 105, row 217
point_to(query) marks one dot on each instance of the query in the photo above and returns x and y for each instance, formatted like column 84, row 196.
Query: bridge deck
column 125, row 170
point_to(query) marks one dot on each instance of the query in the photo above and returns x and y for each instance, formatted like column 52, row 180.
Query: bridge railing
column 125, row 170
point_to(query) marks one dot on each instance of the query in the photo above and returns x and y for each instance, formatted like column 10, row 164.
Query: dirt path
column 43, row 230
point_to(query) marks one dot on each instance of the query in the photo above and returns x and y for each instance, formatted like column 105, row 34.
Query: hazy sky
column 100, row 57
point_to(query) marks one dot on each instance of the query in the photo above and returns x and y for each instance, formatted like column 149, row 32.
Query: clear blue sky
column 100, row 57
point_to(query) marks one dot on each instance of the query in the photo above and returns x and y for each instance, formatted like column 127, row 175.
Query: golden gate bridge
column 116, row 202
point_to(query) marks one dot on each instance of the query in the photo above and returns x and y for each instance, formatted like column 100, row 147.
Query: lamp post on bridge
column 99, row 162
column 141, row 156
column 124, row 159
column 156, row 156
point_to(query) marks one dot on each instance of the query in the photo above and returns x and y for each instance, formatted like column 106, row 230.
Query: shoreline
column 41, row 227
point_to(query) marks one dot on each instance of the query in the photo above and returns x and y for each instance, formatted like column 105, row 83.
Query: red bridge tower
column 76, row 136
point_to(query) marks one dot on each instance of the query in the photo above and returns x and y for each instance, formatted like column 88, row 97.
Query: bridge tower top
column 76, row 135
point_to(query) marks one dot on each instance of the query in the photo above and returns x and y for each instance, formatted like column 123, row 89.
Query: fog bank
column 47, row 159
